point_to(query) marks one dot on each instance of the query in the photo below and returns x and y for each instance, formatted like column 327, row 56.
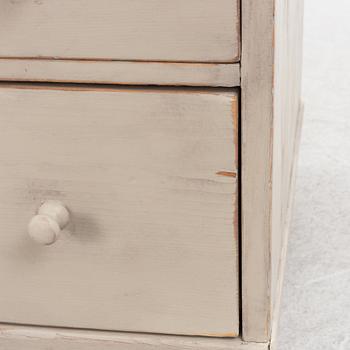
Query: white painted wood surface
column 121, row 72
column 257, row 153
column 40, row 338
column 149, row 177
column 147, row 30
column 271, row 76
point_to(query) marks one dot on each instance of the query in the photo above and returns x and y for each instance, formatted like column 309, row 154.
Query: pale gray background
column 316, row 298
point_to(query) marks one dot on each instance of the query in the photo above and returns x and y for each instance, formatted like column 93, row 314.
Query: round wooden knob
column 45, row 227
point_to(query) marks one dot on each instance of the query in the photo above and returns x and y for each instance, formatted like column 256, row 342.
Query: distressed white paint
column 271, row 67
column 147, row 30
column 41, row 338
column 121, row 72
column 149, row 179
column 257, row 128
column 202, row 299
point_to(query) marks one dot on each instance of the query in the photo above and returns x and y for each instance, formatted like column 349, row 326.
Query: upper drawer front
column 147, row 30
column 149, row 179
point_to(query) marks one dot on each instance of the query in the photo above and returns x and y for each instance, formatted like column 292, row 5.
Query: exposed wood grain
column 152, row 30
column 227, row 173
column 40, row 338
column 120, row 72
column 153, row 240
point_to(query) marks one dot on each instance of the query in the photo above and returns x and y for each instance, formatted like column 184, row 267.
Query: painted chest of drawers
column 147, row 154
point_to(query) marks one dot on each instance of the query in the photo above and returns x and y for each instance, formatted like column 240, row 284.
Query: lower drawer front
column 149, row 178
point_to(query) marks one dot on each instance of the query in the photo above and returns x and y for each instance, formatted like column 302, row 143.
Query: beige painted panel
column 121, row 72
column 257, row 133
column 271, row 75
column 40, row 338
column 151, row 30
column 149, row 179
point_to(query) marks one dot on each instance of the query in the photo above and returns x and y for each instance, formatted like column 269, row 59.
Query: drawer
column 149, row 178
column 144, row 30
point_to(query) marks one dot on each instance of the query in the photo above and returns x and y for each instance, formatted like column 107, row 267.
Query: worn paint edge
column 227, row 173
column 72, row 339
column 256, row 172
column 223, row 92
column 120, row 72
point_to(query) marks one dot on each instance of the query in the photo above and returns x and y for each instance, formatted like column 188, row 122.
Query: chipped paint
column 227, row 173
